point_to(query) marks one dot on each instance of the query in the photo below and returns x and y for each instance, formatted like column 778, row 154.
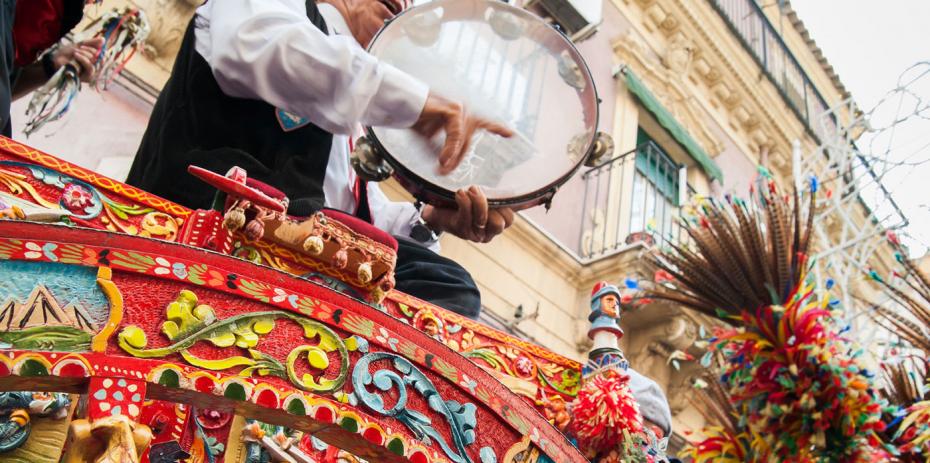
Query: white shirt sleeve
column 393, row 217
column 268, row 50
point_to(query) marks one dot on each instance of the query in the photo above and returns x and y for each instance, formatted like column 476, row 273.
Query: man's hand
column 471, row 219
column 440, row 113
column 83, row 53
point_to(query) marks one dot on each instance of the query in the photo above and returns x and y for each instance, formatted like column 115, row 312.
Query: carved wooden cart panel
column 196, row 344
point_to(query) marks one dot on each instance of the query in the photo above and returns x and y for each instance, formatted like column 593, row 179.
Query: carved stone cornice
column 738, row 95
column 665, row 78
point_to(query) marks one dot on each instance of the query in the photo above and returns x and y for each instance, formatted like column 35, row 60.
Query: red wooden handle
column 235, row 188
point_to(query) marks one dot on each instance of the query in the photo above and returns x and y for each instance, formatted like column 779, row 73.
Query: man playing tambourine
column 277, row 87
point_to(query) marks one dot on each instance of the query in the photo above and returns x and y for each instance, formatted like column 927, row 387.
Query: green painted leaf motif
column 516, row 421
column 492, row 358
column 446, row 370
column 116, row 211
column 8, row 248
column 59, row 338
column 132, row 261
column 196, row 272
column 405, row 309
column 407, row 349
column 256, row 289
column 358, row 325
column 123, row 210
column 306, row 305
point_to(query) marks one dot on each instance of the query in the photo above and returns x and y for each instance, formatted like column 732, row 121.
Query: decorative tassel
column 234, row 219
column 364, row 272
column 341, row 258
column 605, row 412
column 123, row 33
column 254, row 230
column 313, row 244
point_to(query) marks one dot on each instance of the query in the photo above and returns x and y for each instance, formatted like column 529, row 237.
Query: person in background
column 28, row 28
column 279, row 87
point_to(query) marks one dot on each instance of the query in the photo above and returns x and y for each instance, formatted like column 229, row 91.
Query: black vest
column 194, row 122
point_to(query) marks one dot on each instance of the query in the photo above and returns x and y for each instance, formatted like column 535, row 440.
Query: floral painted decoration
column 76, row 198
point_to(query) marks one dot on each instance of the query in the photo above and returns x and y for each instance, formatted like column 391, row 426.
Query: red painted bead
column 419, row 457
column 324, row 414
column 73, row 370
column 267, row 398
column 374, row 436
column 204, row 384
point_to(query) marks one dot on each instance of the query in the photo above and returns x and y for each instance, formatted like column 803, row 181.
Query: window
column 655, row 189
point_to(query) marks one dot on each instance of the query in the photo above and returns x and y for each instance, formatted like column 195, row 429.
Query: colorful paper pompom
column 605, row 412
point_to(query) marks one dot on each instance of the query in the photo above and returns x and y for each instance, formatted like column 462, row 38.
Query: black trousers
column 422, row 273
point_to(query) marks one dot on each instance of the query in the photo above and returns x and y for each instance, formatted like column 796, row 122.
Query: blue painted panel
column 67, row 284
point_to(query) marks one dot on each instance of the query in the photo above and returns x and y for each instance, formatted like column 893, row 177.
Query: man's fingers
column 495, row 128
column 496, row 225
column 464, row 219
column 452, row 154
column 94, row 43
column 85, row 61
column 479, row 207
column 507, row 214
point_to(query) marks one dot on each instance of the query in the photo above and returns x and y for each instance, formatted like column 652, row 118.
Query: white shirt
column 268, row 50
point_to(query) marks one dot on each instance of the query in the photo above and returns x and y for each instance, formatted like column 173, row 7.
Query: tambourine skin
column 429, row 193
column 506, row 65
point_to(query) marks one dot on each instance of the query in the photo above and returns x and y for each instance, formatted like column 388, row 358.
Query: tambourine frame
column 430, row 193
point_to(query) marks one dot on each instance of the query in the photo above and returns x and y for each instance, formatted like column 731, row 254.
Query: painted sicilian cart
column 146, row 331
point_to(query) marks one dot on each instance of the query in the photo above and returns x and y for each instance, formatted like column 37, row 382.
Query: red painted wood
column 333, row 309
column 115, row 395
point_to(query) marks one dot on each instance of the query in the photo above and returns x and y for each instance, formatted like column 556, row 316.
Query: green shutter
column 656, row 166
column 674, row 128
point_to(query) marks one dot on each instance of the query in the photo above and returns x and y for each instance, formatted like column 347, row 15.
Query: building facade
column 697, row 95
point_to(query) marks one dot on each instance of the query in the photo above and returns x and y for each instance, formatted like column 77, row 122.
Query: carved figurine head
column 605, row 310
column 605, row 300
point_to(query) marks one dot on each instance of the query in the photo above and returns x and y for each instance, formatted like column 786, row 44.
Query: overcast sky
column 870, row 44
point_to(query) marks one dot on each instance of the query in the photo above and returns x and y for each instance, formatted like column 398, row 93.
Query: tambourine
column 506, row 65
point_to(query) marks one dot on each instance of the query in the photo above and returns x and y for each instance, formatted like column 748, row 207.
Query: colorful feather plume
column 726, row 439
column 796, row 384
